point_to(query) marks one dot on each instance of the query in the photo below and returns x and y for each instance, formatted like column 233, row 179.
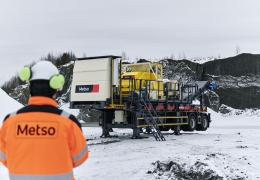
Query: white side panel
column 91, row 76
column 119, row 117
column 92, row 65
column 116, row 72
column 91, row 80
column 102, row 95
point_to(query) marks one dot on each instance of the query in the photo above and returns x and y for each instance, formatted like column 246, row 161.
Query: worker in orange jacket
column 40, row 141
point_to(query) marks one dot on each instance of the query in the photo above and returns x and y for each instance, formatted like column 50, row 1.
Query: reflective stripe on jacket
column 41, row 142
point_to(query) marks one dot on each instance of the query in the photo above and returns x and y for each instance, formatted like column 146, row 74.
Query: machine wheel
column 204, row 124
column 147, row 130
column 192, row 124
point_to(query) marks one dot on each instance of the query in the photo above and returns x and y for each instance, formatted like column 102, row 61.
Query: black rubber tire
column 204, row 124
column 147, row 130
column 192, row 124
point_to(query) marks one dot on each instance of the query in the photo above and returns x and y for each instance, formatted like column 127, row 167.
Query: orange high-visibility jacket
column 41, row 142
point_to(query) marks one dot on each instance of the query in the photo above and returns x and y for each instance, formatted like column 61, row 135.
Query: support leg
column 177, row 130
column 105, row 129
column 136, row 133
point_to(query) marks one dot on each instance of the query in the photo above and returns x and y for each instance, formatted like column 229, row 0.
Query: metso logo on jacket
column 41, row 142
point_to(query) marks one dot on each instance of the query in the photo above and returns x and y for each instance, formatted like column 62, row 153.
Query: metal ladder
column 151, row 118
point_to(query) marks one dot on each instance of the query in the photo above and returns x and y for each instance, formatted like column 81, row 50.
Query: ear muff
column 57, row 81
column 25, row 74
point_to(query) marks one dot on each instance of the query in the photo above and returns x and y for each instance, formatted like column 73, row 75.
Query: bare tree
column 183, row 55
column 238, row 50
column 84, row 55
column 172, row 56
column 123, row 55
column 180, row 56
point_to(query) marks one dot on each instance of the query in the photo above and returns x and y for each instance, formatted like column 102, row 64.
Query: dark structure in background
column 238, row 79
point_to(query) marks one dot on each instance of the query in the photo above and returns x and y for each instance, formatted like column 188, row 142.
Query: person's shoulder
column 8, row 116
column 71, row 117
column 40, row 108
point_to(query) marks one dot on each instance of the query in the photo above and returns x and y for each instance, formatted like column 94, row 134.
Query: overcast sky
column 29, row 29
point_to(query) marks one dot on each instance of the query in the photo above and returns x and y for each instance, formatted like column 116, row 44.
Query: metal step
column 151, row 119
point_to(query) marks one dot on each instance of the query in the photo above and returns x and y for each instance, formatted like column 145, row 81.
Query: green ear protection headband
column 56, row 81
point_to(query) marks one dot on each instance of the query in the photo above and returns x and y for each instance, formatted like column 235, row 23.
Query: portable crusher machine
column 136, row 96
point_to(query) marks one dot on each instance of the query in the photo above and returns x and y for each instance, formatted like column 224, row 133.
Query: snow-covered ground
column 229, row 149
column 7, row 104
